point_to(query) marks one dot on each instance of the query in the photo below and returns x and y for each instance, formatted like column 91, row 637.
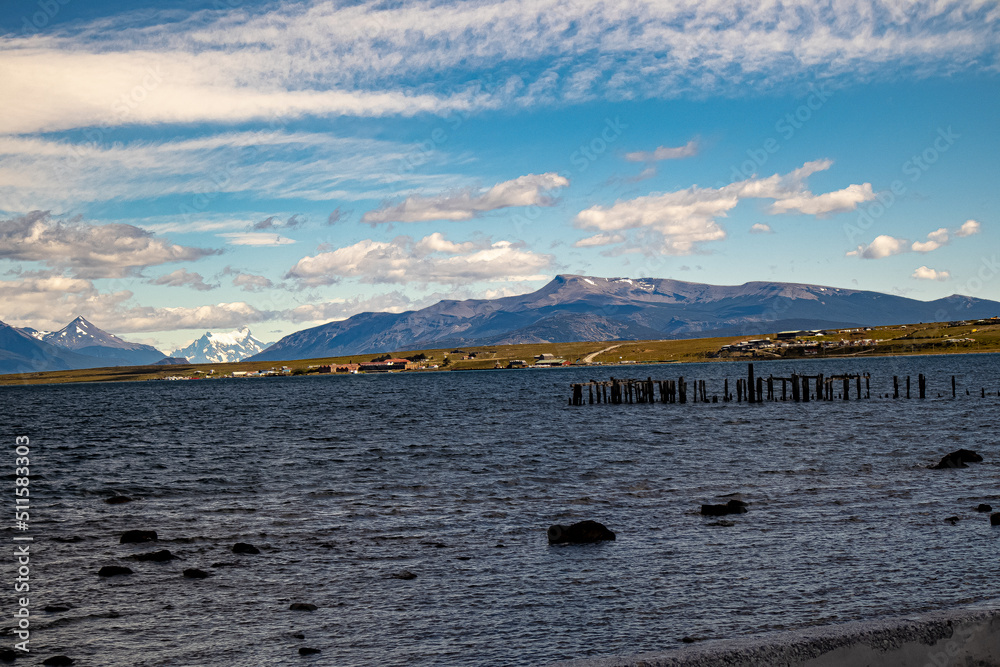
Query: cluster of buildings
column 381, row 366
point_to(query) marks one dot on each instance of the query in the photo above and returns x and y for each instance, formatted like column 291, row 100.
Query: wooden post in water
column 922, row 385
column 590, row 391
column 795, row 387
column 750, row 386
column 895, row 387
column 868, row 389
column 820, row 389
column 847, row 389
column 907, row 386
column 805, row 388
column 859, row 386
column 770, row 387
column 725, row 390
column 953, row 386
column 682, row 389
column 760, row 390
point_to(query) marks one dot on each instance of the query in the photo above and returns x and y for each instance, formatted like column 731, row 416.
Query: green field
column 908, row 339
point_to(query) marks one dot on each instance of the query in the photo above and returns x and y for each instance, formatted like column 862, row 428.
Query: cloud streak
column 529, row 190
column 326, row 59
column 432, row 259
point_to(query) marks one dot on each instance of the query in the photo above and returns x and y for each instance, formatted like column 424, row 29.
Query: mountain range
column 582, row 308
column 80, row 344
column 217, row 348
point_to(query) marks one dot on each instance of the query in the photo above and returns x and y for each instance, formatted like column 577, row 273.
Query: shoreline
column 959, row 636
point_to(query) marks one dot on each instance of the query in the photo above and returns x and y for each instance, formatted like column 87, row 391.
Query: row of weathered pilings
column 797, row 388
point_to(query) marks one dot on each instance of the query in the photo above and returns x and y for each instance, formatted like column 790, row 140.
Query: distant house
column 385, row 366
column 517, row 363
column 324, row 369
column 347, row 368
column 548, row 360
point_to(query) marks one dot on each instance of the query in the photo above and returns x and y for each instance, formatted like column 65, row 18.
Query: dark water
column 343, row 481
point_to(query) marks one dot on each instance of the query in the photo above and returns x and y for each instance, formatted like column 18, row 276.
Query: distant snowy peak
column 80, row 334
column 35, row 333
column 220, row 348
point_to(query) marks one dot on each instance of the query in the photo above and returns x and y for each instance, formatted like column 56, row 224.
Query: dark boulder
column 584, row 532
column 117, row 500
column 8, row 655
column 244, row 548
column 953, row 520
column 58, row 661
column 995, row 519
column 161, row 556
column 138, row 536
column 958, row 459
column 113, row 571
column 57, row 608
column 983, row 507
column 195, row 573
column 406, row 575
column 305, row 650
column 302, row 606
column 732, row 507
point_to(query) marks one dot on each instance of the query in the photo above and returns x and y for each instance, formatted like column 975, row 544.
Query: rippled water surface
column 345, row 481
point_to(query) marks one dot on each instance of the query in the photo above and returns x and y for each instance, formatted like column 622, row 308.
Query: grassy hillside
column 934, row 338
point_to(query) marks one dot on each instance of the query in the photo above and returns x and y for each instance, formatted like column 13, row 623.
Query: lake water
column 344, row 481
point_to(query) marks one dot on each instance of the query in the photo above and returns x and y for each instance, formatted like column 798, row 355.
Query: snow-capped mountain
column 220, row 348
column 35, row 333
column 84, row 337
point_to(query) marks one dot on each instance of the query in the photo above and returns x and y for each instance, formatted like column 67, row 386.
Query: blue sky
column 171, row 168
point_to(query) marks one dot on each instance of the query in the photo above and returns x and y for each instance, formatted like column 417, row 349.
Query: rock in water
column 958, row 459
column 302, row 606
column 995, row 519
column 244, row 548
column 58, row 661
column 117, row 500
column 983, row 507
column 195, row 573
column 305, row 650
column 113, row 571
column 732, row 507
column 138, row 536
column 583, row 532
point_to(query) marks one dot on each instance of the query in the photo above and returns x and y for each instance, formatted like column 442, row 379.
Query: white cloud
column 41, row 172
column 183, row 277
column 761, row 228
column 249, row 282
column 664, row 153
column 924, row 273
column 370, row 59
column 825, row 204
column 968, row 228
column 255, row 239
column 882, row 246
column 677, row 223
column 90, row 251
column 528, row 190
column 599, row 240
column 935, row 240
column 432, row 259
